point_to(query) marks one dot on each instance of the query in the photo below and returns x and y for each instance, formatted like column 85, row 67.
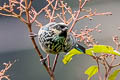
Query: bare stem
column 34, row 43
column 78, row 13
column 48, row 60
column 107, row 73
column 55, row 62
column 53, row 12
column 99, row 73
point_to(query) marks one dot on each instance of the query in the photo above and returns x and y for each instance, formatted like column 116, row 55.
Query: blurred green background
column 16, row 45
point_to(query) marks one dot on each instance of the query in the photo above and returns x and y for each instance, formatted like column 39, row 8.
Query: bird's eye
column 62, row 26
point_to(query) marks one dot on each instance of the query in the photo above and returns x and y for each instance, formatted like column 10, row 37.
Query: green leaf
column 68, row 57
column 102, row 49
column 92, row 70
column 114, row 75
column 96, row 49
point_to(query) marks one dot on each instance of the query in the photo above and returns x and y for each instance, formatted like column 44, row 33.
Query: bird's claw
column 32, row 35
column 43, row 60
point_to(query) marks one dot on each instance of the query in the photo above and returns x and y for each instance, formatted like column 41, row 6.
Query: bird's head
column 60, row 29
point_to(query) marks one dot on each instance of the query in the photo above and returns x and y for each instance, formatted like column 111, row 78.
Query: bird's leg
column 32, row 35
column 48, row 60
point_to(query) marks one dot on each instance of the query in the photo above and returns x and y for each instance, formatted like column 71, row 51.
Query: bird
column 54, row 38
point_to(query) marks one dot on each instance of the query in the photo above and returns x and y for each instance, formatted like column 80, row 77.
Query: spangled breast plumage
column 54, row 38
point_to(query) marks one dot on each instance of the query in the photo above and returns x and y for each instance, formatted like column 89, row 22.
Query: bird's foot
column 44, row 59
column 32, row 35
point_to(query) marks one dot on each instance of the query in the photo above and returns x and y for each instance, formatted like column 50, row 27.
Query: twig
column 45, row 7
column 3, row 71
column 107, row 73
column 63, row 11
column 116, row 65
column 53, row 12
column 30, row 3
column 10, row 15
column 97, row 59
column 94, row 14
column 48, row 61
column 99, row 73
column 55, row 62
column 78, row 13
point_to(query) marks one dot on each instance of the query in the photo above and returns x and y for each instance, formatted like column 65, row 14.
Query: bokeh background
column 15, row 43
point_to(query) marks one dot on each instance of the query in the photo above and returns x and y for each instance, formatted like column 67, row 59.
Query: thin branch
column 105, row 66
column 82, row 5
column 3, row 71
column 107, row 73
column 45, row 7
column 60, row 18
column 116, row 65
column 49, row 2
column 48, row 61
column 106, row 62
column 99, row 73
column 22, row 19
column 34, row 20
column 78, row 13
column 112, row 60
column 30, row 3
column 33, row 11
column 53, row 12
column 27, row 12
column 62, row 6
column 55, row 62
column 10, row 15
column 94, row 14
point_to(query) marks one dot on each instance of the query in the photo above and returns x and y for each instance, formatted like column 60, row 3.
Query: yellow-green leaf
column 89, row 51
column 114, row 75
column 68, row 57
column 102, row 49
column 92, row 70
column 96, row 49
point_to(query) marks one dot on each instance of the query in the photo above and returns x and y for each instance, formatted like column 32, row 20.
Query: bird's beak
column 65, row 29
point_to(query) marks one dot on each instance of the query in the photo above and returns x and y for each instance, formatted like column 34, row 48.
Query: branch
column 3, row 71
column 55, row 62
column 30, row 3
column 99, row 73
column 94, row 14
column 116, row 65
column 34, row 43
column 45, row 7
column 78, row 13
column 10, row 15
column 85, row 35
column 53, row 12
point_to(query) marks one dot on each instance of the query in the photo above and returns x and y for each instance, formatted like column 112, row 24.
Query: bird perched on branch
column 54, row 38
